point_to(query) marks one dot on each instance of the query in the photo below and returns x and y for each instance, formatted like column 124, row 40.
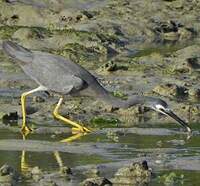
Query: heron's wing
column 68, row 84
column 17, row 52
column 49, row 70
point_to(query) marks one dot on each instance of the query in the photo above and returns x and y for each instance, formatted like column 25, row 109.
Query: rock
column 38, row 99
column 2, row 114
column 36, row 174
column 194, row 62
column 185, row 33
column 98, row 181
column 187, row 60
column 188, row 65
column 135, row 174
column 177, row 142
column 194, row 109
column 27, row 33
column 47, row 182
column 89, row 14
column 194, row 92
column 10, row 1
column 113, row 136
column 172, row 30
column 178, row 4
column 11, row 117
column 131, row 115
column 111, row 66
column 65, row 171
column 8, row 175
column 93, row 172
column 171, row 179
column 71, row 16
column 170, row 90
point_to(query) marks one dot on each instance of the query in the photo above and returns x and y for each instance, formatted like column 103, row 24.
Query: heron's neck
column 120, row 103
column 116, row 102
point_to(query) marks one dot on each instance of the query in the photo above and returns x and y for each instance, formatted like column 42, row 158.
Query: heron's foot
column 26, row 130
column 76, row 130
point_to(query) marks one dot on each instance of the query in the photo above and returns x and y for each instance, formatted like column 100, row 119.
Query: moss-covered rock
column 8, row 175
column 170, row 90
column 135, row 174
column 98, row 181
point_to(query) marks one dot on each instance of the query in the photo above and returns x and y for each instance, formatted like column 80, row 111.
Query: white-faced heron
column 57, row 74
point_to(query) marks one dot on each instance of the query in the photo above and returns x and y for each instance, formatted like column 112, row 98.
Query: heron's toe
column 87, row 129
column 80, row 130
column 26, row 130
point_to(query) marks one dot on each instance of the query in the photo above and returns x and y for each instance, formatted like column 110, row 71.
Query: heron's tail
column 17, row 52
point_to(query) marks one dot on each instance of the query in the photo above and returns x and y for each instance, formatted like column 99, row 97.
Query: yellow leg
column 25, row 129
column 77, row 128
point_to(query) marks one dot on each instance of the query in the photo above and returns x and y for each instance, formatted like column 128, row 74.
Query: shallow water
column 164, row 152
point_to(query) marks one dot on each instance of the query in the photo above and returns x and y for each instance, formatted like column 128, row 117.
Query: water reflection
column 26, row 167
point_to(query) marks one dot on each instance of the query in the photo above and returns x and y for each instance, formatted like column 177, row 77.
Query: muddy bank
column 128, row 48
column 152, row 53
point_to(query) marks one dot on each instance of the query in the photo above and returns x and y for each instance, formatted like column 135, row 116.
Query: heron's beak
column 175, row 117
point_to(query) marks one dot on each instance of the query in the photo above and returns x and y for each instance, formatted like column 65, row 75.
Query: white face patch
column 159, row 108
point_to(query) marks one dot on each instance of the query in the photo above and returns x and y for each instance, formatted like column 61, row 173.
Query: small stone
column 134, row 174
column 65, row 170
column 36, row 173
column 170, row 90
column 8, row 175
column 38, row 99
column 110, row 66
column 98, row 181
column 178, row 4
column 46, row 182
column 177, row 142
column 93, row 172
column 194, row 92
column 11, row 117
column 36, row 170
column 26, row 33
column 158, row 161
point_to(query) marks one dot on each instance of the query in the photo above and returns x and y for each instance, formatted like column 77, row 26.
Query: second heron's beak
column 168, row 112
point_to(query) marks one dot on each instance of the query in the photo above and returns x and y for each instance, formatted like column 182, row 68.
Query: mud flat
column 133, row 47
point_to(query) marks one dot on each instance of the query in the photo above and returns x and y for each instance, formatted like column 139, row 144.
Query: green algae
column 79, row 53
column 171, row 179
column 7, row 31
column 103, row 122
column 120, row 94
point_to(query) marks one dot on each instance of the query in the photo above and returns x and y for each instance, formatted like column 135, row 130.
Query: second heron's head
column 162, row 107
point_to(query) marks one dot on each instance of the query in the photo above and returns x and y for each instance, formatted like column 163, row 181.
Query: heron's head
column 162, row 107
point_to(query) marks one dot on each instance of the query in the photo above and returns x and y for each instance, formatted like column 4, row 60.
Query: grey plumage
column 63, row 76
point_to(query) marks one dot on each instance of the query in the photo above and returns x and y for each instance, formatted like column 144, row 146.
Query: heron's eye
column 161, row 109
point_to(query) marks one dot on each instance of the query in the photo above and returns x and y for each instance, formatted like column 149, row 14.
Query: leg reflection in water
column 25, row 167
